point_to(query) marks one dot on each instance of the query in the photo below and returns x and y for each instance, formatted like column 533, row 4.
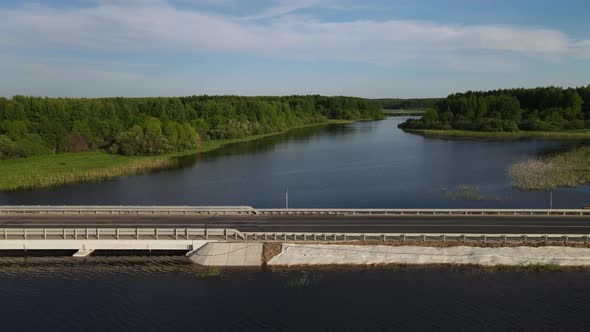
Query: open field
column 68, row 168
column 466, row 134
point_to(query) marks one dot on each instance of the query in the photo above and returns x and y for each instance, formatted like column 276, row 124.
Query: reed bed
column 64, row 169
column 566, row 169
column 517, row 135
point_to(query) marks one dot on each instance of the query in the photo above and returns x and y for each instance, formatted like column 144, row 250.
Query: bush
column 31, row 145
column 7, row 147
column 509, row 125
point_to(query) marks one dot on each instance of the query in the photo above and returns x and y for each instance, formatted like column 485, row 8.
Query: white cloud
column 152, row 25
column 283, row 7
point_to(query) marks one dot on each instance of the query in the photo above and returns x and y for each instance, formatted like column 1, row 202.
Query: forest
column 511, row 110
column 31, row 126
column 407, row 104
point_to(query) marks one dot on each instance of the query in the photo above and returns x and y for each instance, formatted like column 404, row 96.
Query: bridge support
column 83, row 253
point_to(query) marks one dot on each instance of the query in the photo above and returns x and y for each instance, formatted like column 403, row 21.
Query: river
column 363, row 165
column 171, row 294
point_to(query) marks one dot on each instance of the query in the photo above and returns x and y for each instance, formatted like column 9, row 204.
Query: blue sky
column 371, row 48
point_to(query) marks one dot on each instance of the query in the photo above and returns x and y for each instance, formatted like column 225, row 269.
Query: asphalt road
column 350, row 224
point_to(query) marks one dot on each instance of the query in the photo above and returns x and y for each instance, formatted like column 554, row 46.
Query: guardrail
column 419, row 237
column 119, row 234
column 192, row 234
column 426, row 212
column 247, row 210
column 114, row 209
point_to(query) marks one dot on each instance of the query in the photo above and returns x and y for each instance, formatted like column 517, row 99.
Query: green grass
column 548, row 135
column 565, row 169
column 68, row 168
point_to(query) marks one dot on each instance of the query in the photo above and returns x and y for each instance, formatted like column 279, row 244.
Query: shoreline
column 518, row 135
column 95, row 166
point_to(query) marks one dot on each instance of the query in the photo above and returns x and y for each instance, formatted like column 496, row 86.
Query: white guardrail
column 51, row 235
column 123, row 209
column 247, row 210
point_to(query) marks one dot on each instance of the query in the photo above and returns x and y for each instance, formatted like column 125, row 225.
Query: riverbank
column 565, row 169
column 68, row 168
column 484, row 135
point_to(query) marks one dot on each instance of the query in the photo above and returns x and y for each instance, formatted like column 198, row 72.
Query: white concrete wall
column 321, row 254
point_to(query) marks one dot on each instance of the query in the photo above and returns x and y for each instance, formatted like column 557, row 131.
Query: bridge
column 84, row 229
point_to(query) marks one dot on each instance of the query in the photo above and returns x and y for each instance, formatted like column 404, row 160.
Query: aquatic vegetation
column 502, row 135
column 211, row 272
column 301, row 281
column 463, row 192
column 566, row 169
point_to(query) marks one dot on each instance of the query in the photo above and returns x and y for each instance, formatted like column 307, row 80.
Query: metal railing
column 237, row 236
column 428, row 212
column 115, row 209
column 419, row 237
column 247, row 210
column 119, row 234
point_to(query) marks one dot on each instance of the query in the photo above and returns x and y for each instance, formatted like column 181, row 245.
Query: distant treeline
column 407, row 104
column 538, row 109
column 149, row 126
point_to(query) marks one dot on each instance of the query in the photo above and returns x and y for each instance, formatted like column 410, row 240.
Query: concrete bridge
column 212, row 233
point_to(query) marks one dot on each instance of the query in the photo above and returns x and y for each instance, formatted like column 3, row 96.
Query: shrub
column 7, row 147
column 31, row 145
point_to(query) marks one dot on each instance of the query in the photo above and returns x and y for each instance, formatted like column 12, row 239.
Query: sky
column 368, row 48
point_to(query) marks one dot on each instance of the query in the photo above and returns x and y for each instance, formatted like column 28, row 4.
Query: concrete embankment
column 228, row 254
column 321, row 254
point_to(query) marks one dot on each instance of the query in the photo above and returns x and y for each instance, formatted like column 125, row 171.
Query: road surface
column 336, row 224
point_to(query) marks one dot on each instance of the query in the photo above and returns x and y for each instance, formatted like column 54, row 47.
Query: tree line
column 407, row 104
column 537, row 109
column 32, row 126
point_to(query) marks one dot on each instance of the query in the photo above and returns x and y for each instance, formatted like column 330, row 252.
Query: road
column 340, row 224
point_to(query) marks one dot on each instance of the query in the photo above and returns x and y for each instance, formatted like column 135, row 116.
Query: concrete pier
column 228, row 254
column 83, row 253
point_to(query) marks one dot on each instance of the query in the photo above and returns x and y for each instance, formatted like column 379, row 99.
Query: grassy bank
column 566, row 169
column 466, row 134
column 68, row 168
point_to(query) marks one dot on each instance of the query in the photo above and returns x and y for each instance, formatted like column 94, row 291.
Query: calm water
column 368, row 164
column 170, row 294
column 371, row 164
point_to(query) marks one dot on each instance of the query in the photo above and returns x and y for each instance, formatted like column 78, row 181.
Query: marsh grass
column 517, row 135
column 463, row 192
column 61, row 169
column 566, row 169
column 211, row 272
